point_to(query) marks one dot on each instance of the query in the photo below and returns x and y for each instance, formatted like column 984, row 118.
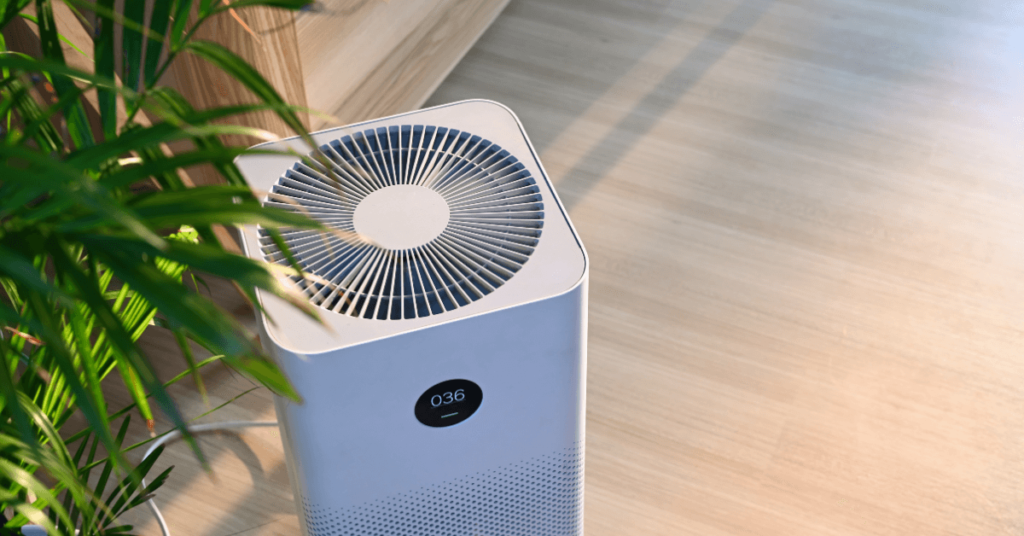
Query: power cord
column 36, row 530
column 176, row 434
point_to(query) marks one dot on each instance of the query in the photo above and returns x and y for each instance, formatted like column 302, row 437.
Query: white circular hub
column 403, row 216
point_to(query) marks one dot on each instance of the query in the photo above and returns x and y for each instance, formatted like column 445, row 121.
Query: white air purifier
column 445, row 392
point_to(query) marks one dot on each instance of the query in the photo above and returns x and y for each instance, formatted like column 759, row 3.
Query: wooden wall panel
column 271, row 48
column 367, row 58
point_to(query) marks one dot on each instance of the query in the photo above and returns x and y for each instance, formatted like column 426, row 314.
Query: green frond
column 91, row 256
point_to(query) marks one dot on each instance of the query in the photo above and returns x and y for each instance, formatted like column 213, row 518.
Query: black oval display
column 448, row 403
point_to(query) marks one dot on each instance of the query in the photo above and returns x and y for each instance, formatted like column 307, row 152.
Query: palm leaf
column 78, row 124
column 71, row 220
column 181, row 11
column 48, row 176
column 103, row 49
column 127, row 488
column 64, row 362
column 18, row 99
column 237, row 68
column 10, row 9
column 26, row 512
column 131, row 43
column 63, row 39
column 159, row 164
column 158, row 22
column 203, row 320
column 120, row 337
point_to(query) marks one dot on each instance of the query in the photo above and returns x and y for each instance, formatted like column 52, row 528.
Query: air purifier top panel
column 434, row 216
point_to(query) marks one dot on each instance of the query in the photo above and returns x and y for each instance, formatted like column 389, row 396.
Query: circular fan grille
column 495, row 215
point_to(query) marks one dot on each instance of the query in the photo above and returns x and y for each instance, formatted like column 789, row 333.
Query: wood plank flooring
column 807, row 289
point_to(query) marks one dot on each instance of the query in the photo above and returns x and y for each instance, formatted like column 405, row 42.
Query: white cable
column 212, row 427
column 33, row 530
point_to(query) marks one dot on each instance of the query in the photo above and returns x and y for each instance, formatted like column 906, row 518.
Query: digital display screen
column 449, row 402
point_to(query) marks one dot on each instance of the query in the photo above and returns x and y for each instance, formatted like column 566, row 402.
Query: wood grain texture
column 272, row 49
column 368, row 58
column 806, row 306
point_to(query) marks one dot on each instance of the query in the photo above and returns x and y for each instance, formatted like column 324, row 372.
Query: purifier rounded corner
column 488, row 110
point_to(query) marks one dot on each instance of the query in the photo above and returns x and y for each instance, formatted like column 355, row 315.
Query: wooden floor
column 807, row 293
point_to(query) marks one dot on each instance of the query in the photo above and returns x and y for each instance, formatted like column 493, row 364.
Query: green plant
column 88, row 260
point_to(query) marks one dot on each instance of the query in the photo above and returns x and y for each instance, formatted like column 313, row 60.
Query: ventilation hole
column 539, row 497
column 408, row 264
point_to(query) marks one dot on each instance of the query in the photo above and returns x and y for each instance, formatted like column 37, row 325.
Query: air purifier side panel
column 290, row 462
column 293, row 464
column 356, row 441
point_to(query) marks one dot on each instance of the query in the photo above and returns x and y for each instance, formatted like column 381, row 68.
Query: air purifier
column 444, row 392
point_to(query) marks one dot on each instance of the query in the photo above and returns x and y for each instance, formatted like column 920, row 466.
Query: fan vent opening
column 432, row 218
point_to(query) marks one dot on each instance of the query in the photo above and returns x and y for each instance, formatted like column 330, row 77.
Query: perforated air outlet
column 539, row 497
column 443, row 217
